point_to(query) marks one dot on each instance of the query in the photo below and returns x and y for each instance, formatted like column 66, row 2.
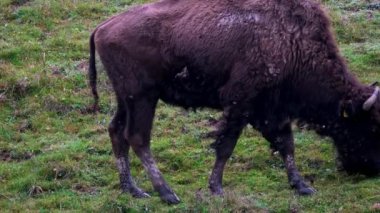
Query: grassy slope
column 53, row 157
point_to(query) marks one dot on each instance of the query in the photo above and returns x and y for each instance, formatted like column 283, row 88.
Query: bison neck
column 311, row 100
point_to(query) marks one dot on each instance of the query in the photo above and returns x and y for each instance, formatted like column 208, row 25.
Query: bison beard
column 263, row 62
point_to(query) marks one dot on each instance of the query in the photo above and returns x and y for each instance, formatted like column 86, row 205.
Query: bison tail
column 92, row 74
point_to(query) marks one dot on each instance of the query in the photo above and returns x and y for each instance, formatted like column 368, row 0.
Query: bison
column 263, row 62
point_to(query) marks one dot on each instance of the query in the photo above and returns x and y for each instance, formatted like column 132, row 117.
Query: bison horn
column 371, row 100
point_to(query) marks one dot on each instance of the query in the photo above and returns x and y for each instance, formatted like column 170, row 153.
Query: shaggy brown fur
column 263, row 62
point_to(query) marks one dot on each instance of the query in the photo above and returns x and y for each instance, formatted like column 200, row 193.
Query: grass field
column 54, row 157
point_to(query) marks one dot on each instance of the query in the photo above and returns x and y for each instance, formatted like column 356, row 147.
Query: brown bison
column 263, row 62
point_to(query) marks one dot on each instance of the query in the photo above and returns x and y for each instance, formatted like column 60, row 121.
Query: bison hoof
column 140, row 194
column 216, row 191
column 306, row 191
column 135, row 192
column 170, row 198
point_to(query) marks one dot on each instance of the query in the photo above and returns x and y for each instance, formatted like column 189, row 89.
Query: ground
column 56, row 157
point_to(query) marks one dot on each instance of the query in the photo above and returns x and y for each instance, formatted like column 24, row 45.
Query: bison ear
column 346, row 109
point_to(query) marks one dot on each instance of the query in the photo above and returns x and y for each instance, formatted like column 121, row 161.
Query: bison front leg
column 228, row 134
column 120, row 148
column 138, row 135
column 281, row 139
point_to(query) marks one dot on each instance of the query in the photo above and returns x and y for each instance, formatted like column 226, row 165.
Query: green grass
column 55, row 158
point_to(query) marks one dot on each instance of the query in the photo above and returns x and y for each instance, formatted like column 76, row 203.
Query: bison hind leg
column 120, row 147
column 138, row 134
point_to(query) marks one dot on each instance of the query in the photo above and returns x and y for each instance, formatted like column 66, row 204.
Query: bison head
column 357, row 135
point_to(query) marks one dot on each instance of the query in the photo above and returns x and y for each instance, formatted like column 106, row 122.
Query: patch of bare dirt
column 35, row 190
column 19, row 3
column 56, row 71
column 3, row 98
column 82, row 66
column 97, row 151
column 376, row 207
column 9, row 156
column 84, row 189
column 61, row 173
column 314, row 163
column 52, row 104
column 22, row 86
column 24, row 125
